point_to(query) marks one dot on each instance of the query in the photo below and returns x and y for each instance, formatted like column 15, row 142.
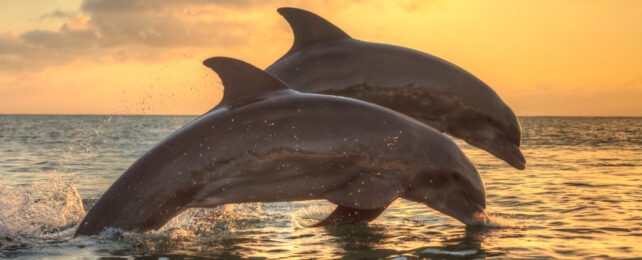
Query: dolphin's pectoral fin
column 345, row 215
column 368, row 191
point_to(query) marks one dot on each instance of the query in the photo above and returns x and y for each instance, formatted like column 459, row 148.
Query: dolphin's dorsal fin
column 309, row 28
column 242, row 80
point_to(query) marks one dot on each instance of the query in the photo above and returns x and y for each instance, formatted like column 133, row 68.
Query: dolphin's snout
column 514, row 157
column 497, row 145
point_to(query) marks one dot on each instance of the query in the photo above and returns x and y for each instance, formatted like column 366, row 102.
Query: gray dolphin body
column 325, row 60
column 268, row 143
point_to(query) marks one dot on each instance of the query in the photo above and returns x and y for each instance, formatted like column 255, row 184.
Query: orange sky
column 144, row 57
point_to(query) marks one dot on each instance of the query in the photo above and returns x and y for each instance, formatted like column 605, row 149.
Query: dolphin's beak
column 508, row 152
column 498, row 146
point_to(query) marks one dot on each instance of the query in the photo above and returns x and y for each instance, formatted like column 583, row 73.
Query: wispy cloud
column 58, row 14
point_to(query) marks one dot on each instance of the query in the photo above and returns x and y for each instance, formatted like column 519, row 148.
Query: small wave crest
column 45, row 211
column 443, row 252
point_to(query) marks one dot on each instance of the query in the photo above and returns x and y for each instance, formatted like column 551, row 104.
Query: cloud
column 168, row 23
column 40, row 48
column 58, row 14
column 105, row 6
column 10, row 44
column 105, row 28
column 164, row 30
column 64, row 39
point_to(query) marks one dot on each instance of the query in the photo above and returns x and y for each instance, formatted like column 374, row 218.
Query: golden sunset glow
column 144, row 57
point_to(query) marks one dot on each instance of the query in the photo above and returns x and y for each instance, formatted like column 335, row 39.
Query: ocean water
column 580, row 197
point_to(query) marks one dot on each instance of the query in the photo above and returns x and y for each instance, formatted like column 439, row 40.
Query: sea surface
column 580, row 197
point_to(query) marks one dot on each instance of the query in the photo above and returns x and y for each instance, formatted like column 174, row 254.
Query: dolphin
column 266, row 143
column 323, row 59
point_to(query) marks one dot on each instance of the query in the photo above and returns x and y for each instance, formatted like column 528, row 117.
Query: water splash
column 308, row 216
column 203, row 222
column 498, row 222
column 41, row 212
column 191, row 222
column 190, row 230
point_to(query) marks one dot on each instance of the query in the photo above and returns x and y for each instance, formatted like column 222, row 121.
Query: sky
column 543, row 57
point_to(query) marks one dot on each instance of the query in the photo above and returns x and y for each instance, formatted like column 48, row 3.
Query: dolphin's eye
column 454, row 176
column 489, row 119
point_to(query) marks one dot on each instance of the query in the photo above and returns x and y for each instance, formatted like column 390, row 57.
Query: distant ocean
column 580, row 197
